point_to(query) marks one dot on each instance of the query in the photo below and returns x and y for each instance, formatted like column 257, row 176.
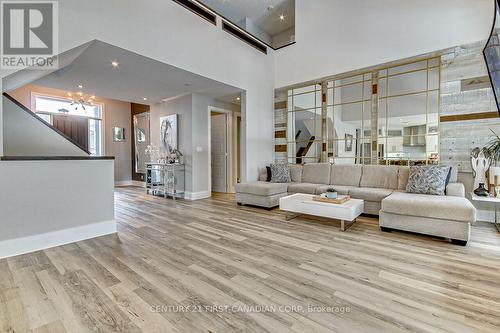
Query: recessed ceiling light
column 115, row 64
column 80, row 86
column 144, row 99
column 282, row 17
column 70, row 94
column 237, row 98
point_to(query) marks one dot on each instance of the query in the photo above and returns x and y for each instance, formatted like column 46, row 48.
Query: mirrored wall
column 409, row 113
column 304, row 124
column 348, row 119
column 385, row 116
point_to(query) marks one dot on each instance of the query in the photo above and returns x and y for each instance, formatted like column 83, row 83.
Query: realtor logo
column 29, row 34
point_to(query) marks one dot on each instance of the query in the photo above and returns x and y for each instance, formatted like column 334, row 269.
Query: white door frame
column 231, row 172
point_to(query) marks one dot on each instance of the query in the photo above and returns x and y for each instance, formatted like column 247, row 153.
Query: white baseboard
column 197, row 195
column 130, row 183
column 14, row 247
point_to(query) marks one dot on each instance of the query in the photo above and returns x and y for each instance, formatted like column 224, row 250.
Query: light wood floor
column 219, row 260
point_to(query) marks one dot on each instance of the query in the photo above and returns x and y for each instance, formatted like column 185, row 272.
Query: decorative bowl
column 331, row 195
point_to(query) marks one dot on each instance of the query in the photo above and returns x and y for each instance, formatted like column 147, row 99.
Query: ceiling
column 257, row 11
column 137, row 77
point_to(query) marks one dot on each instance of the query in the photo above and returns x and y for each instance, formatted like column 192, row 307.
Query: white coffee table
column 304, row 204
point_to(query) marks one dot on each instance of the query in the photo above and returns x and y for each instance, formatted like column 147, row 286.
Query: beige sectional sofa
column 383, row 190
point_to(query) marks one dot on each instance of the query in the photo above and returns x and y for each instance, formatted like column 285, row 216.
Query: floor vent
column 198, row 10
column 243, row 36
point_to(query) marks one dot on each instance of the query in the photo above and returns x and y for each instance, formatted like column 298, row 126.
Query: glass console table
column 165, row 179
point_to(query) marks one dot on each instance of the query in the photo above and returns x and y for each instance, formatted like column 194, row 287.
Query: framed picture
column 118, row 134
column 348, row 142
column 168, row 132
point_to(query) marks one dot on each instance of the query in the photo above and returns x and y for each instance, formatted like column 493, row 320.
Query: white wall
column 167, row 32
column 26, row 136
column 49, row 203
column 116, row 114
column 183, row 107
column 283, row 38
column 1, row 123
column 193, row 133
column 336, row 36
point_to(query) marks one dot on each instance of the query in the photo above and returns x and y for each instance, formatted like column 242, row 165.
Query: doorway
column 74, row 127
column 224, row 149
column 220, row 153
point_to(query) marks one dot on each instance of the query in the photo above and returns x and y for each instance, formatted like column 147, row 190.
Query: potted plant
column 492, row 150
column 493, row 147
column 331, row 193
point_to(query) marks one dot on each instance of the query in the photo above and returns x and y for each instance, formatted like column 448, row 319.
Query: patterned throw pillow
column 428, row 179
column 280, row 173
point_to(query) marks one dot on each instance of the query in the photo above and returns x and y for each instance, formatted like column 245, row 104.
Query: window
column 304, row 124
column 46, row 106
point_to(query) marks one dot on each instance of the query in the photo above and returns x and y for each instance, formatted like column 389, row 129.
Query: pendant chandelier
column 79, row 100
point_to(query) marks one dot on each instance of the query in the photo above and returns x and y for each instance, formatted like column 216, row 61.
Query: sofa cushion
column 262, row 188
column 316, row 173
column 296, row 172
column 263, row 177
column 348, row 175
column 268, row 173
column 431, row 206
column 403, row 175
column 453, row 174
column 280, row 173
column 428, row 179
column 306, row 188
column 455, row 190
column 380, row 176
column 370, row 193
column 341, row 189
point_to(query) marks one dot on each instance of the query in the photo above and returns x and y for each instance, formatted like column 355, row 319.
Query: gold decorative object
column 340, row 199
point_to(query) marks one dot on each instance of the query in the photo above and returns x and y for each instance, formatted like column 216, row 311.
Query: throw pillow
column 269, row 174
column 280, row 173
column 428, row 179
column 296, row 173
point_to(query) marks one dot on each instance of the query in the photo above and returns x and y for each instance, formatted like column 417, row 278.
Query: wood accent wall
column 280, row 115
column 470, row 116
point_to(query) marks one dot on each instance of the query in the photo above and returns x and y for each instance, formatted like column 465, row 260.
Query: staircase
column 52, row 192
column 26, row 134
column 302, row 151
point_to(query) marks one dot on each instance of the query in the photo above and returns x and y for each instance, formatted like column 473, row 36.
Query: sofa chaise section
column 443, row 216
column 261, row 193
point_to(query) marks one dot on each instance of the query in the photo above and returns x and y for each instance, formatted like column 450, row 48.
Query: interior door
column 219, row 152
column 76, row 128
